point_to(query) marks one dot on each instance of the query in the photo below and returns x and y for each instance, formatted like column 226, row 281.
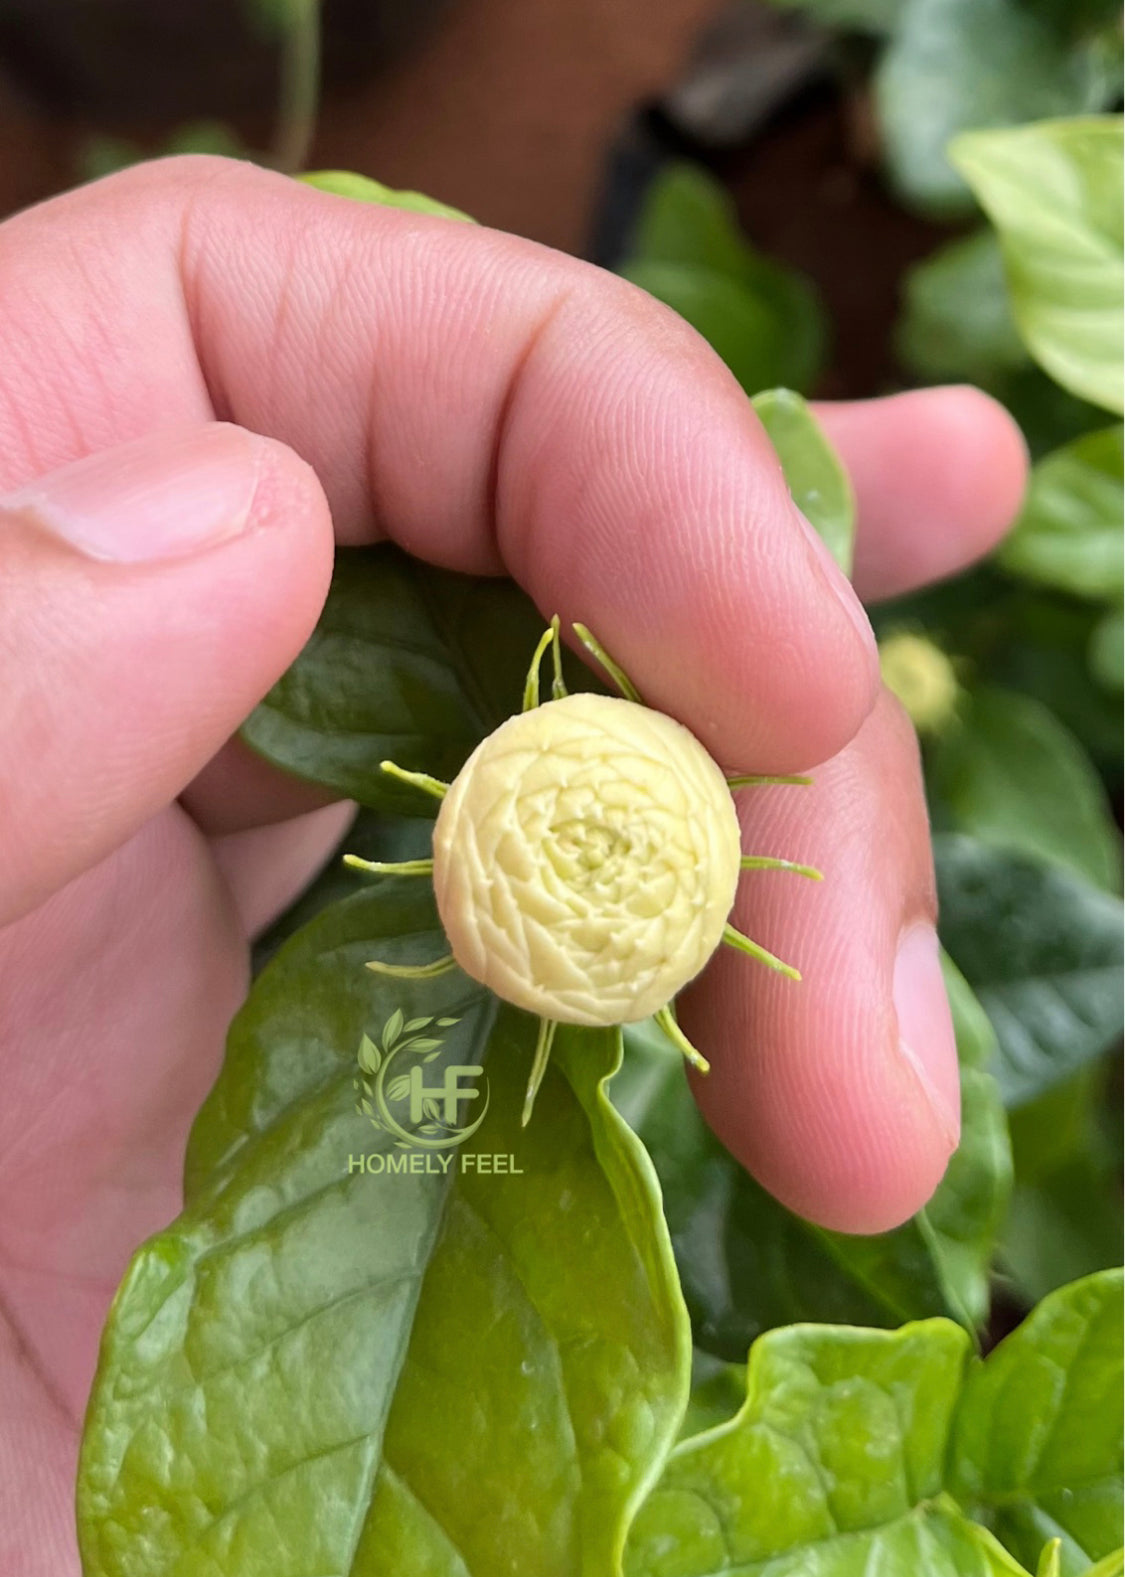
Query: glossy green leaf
column 956, row 65
column 956, row 320
column 317, row 1369
column 1010, row 773
column 408, row 663
column 747, row 1264
column 832, row 1468
column 1053, row 191
column 814, row 472
column 343, row 183
column 689, row 251
column 1042, row 950
column 1069, row 531
column 1037, row 1447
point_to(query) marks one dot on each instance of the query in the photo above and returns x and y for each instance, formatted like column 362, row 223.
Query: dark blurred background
column 544, row 117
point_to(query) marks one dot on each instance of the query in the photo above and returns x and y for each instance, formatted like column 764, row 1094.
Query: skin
column 490, row 405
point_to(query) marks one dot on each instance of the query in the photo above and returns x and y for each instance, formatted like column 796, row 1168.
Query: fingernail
column 838, row 583
column 925, row 1026
column 156, row 498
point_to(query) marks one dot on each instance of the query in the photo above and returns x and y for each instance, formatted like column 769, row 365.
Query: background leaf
column 1037, row 1449
column 319, row 1370
column 1053, row 191
column 1010, row 773
column 865, row 16
column 1042, row 950
column 956, row 65
column 1105, row 651
column 814, row 473
column 1066, row 1220
column 956, row 320
column 764, row 319
column 1069, row 531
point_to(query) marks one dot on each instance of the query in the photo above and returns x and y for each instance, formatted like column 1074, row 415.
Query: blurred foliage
column 764, row 319
column 100, row 155
column 1023, row 754
column 955, row 65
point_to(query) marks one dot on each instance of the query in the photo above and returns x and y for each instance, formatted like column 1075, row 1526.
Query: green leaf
column 1050, row 1560
column 360, row 188
column 1069, row 530
column 832, row 1468
column 734, row 322
column 815, row 475
column 956, row 320
column 1111, row 1566
column 1037, row 1447
column 1011, row 774
column 865, row 16
column 407, row 663
column 1106, row 651
column 1053, row 191
column 1067, row 1224
column 1066, row 1216
column 321, row 1370
column 747, row 1264
column 962, row 1220
column 957, row 65
column 765, row 320
column 1042, row 950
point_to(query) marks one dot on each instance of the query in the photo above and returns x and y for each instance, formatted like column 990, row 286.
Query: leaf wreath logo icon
column 392, row 1073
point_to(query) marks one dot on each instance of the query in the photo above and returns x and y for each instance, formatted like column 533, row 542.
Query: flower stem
column 614, row 670
column 390, row 868
column 766, row 862
column 531, row 687
column 744, row 944
column 756, row 782
column 547, row 1028
column 421, row 780
column 440, row 966
column 666, row 1018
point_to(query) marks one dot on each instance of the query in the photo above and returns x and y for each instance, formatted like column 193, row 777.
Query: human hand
column 491, row 406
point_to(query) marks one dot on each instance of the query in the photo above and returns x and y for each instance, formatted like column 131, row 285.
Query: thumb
column 149, row 597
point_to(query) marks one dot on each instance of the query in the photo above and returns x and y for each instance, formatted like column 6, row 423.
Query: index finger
column 487, row 403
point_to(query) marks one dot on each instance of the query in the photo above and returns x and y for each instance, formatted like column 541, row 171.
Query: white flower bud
column 586, row 859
